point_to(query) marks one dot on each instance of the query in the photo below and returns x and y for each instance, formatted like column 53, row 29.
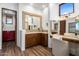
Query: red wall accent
column 8, row 35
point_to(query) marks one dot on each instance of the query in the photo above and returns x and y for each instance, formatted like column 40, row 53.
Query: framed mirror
column 72, row 27
column 32, row 22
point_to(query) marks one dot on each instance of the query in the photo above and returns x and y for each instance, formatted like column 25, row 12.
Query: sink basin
column 57, row 37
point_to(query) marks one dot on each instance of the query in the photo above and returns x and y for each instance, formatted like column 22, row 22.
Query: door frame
column 15, row 22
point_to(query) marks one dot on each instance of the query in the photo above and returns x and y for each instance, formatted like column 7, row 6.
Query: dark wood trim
column 62, row 4
column 15, row 21
column 9, row 9
column 16, row 25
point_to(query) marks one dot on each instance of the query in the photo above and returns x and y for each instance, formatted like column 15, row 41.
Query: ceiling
column 40, row 6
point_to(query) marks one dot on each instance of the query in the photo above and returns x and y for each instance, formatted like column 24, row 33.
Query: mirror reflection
column 32, row 22
column 77, row 26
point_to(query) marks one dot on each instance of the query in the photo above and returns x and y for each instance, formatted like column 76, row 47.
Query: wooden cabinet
column 36, row 39
column 44, row 39
column 8, row 35
column 32, row 39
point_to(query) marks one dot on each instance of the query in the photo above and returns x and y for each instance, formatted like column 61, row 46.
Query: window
column 66, row 8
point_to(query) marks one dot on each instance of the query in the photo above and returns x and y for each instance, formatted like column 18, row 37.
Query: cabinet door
column 8, row 35
column 31, row 40
column 5, row 35
column 42, row 39
column 46, row 40
column 38, row 38
column 28, row 40
column 11, row 35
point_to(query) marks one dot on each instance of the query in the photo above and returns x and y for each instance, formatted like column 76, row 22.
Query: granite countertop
column 71, row 37
column 68, row 37
column 36, row 32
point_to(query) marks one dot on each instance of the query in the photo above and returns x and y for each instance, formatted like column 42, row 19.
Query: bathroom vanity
column 34, row 32
column 73, row 44
column 36, row 38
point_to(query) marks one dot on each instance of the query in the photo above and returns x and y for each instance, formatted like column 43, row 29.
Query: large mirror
column 73, row 27
column 77, row 26
column 32, row 22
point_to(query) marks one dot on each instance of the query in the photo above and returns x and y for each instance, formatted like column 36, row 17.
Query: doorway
column 62, row 27
column 9, row 26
